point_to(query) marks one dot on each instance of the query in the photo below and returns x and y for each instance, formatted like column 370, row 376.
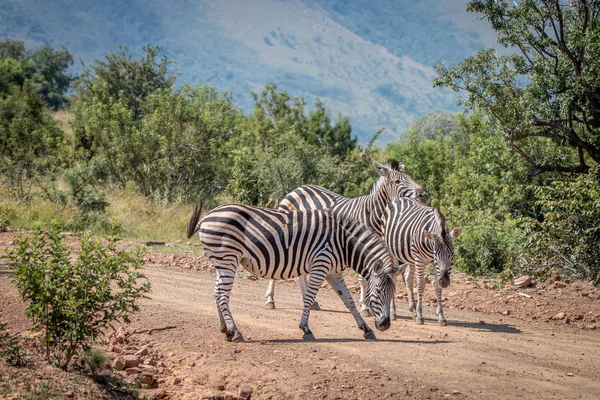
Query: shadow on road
column 346, row 340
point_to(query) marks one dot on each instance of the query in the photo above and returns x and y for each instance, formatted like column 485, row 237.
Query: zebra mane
column 392, row 164
column 441, row 220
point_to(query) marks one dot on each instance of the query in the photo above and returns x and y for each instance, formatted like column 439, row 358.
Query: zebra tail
column 193, row 225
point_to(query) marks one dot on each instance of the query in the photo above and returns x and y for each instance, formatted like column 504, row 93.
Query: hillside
column 368, row 60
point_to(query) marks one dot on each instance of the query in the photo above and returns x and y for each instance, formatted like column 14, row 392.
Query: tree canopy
column 544, row 89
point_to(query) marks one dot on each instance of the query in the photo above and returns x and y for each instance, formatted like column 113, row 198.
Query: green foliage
column 280, row 148
column 10, row 348
column 31, row 144
column 72, row 301
column 120, row 78
column 45, row 70
column 566, row 239
column 94, row 360
column 544, row 91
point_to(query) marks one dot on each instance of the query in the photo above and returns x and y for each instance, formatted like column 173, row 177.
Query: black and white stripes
column 417, row 235
column 283, row 245
column 392, row 183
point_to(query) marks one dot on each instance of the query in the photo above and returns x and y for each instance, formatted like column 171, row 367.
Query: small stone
column 131, row 361
column 455, row 392
column 119, row 363
column 507, row 312
column 150, row 361
column 161, row 364
column 481, row 322
column 171, row 354
column 522, row 282
column 560, row 284
column 69, row 394
column 159, row 395
column 142, row 353
column 566, row 321
column 569, row 374
column 332, row 366
column 245, row 393
column 559, row 316
column 553, row 278
column 147, row 379
column 176, row 380
column 221, row 386
column 133, row 370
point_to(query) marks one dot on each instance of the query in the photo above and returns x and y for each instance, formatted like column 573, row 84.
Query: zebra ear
column 455, row 233
column 378, row 267
column 400, row 167
column 429, row 235
column 397, row 270
column 381, row 169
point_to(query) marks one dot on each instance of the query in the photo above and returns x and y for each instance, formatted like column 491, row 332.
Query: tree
column 46, row 69
column 31, row 144
column 120, row 76
column 544, row 91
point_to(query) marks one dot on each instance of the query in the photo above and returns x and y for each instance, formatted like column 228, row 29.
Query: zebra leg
column 317, row 275
column 409, row 278
column 270, row 303
column 364, row 309
column 339, row 285
column 440, row 313
column 420, row 270
column 222, row 290
column 303, row 285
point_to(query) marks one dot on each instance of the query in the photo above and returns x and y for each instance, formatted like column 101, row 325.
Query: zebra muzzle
column 383, row 325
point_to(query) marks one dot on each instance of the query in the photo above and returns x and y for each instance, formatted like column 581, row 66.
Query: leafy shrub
column 567, row 238
column 72, row 301
column 94, row 360
column 10, row 349
column 488, row 247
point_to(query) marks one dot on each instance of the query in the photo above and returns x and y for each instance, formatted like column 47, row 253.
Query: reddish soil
column 482, row 353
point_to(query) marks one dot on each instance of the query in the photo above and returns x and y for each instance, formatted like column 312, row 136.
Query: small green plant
column 10, row 348
column 72, row 300
column 94, row 360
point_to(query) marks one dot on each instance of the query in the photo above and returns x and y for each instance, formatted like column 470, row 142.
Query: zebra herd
column 316, row 233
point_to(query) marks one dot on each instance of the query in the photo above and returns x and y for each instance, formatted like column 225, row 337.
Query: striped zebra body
column 417, row 235
column 368, row 210
column 283, row 245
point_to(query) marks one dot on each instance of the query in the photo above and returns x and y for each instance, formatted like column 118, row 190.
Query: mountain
column 370, row 60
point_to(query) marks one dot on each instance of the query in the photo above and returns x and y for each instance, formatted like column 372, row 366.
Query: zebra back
column 392, row 183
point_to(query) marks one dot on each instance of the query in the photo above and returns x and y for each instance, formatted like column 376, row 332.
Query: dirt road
column 500, row 358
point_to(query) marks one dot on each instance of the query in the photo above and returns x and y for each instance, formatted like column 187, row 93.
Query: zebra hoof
column 369, row 335
column 443, row 322
column 315, row 306
column 237, row 337
column 419, row 321
column 309, row 337
column 270, row 305
column 365, row 313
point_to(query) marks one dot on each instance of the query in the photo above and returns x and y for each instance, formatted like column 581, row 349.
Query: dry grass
column 137, row 217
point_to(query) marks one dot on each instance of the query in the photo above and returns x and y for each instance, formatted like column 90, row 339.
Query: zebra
column 392, row 183
column 283, row 245
column 417, row 235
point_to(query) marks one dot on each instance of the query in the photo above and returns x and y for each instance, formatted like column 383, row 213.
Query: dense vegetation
column 519, row 172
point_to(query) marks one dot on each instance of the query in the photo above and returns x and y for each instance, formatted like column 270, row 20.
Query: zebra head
column 443, row 249
column 380, row 292
column 396, row 183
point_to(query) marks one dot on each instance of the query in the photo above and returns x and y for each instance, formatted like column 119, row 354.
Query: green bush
column 72, row 301
column 10, row 348
column 566, row 240
column 487, row 246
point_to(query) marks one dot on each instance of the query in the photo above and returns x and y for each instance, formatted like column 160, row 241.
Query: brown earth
column 482, row 353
